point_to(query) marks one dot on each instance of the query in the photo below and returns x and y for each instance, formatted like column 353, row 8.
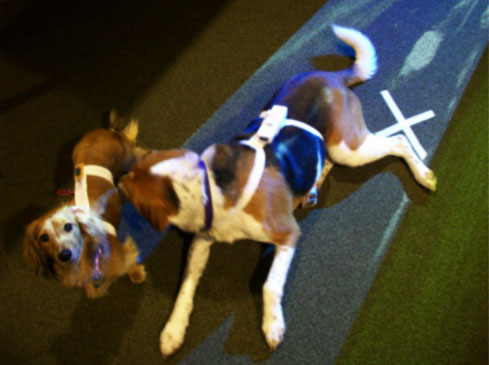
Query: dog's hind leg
column 173, row 334
column 375, row 147
column 312, row 198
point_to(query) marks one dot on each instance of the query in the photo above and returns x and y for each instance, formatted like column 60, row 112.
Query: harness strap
column 81, row 187
column 206, row 192
column 274, row 120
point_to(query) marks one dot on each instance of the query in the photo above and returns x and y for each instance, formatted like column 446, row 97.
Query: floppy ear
column 155, row 200
column 33, row 255
column 99, row 206
column 155, row 213
column 90, row 223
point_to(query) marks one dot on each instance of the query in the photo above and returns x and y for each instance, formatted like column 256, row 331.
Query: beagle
column 77, row 243
column 248, row 189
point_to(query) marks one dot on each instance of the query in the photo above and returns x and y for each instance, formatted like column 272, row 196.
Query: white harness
column 81, row 193
column 273, row 121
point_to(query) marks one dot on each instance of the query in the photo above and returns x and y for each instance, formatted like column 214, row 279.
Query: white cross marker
column 404, row 124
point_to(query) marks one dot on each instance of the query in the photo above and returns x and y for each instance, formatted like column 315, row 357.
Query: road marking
column 404, row 125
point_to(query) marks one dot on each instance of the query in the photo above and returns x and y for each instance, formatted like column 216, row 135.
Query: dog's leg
column 174, row 332
column 375, row 147
column 311, row 199
column 273, row 324
column 136, row 272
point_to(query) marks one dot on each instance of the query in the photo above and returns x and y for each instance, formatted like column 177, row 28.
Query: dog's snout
column 65, row 255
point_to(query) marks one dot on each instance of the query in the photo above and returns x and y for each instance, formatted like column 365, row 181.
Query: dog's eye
column 68, row 227
column 44, row 237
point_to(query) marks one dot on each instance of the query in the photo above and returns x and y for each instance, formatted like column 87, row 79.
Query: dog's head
column 153, row 194
column 53, row 244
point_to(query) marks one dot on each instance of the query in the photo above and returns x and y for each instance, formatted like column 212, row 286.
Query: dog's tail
column 365, row 65
column 118, row 124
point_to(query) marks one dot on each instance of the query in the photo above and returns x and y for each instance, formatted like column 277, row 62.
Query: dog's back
column 113, row 148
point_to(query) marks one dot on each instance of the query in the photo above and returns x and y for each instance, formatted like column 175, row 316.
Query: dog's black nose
column 65, row 255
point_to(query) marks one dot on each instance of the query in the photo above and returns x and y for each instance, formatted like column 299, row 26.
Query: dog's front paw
column 171, row 339
column 137, row 274
column 274, row 329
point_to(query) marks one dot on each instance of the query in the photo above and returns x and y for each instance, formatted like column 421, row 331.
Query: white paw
column 425, row 177
column 430, row 180
column 171, row 339
column 274, row 329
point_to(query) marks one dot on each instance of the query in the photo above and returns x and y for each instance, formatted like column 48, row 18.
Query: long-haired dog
column 248, row 189
column 77, row 243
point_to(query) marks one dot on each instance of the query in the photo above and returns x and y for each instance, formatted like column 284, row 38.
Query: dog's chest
column 230, row 226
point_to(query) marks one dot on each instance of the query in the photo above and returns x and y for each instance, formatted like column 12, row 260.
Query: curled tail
column 118, row 124
column 365, row 64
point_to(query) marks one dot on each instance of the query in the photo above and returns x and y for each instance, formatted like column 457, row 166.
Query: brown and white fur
column 166, row 187
column 65, row 241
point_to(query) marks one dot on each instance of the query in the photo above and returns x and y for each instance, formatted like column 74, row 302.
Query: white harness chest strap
column 273, row 121
column 81, row 187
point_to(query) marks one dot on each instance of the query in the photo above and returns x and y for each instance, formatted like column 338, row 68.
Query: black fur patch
column 295, row 151
column 224, row 166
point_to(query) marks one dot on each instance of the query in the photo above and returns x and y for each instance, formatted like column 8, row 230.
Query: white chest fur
column 228, row 225
column 233, row 224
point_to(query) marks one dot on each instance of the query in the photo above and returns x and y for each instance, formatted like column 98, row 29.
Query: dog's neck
column 188, row 180
column 97, row 195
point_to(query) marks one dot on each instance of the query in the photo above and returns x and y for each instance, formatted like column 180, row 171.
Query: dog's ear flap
column 113, row 120
column 90, row 223
column 99, row 206
column 166, row 203
column 154, row 197
column 33, row 255
column 129, row 128
column 89, row 247
column 155, row 213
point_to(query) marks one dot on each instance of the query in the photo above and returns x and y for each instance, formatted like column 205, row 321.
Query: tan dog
column 248, row 189
column 77, row 243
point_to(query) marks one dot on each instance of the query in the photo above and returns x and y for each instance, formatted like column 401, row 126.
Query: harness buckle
column 273, row 121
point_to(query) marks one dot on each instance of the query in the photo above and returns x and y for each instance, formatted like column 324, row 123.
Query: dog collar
column 81, row 187
column 206, row 192
column 97, row 278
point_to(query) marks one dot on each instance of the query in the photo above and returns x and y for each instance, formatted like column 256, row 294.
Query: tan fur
column 117, row 152
column 346, row 121
column 243, row 169
column 155, row 207
column 272, row 204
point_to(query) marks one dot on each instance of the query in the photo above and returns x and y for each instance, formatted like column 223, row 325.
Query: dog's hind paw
column 427, row 179
column 430, row 180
